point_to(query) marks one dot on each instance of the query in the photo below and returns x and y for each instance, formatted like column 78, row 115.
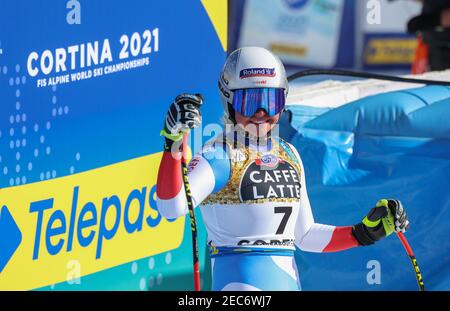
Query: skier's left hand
column 386, row 217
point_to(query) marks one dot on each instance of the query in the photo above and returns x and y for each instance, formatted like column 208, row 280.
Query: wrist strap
column 172, row 137
column 360, row 234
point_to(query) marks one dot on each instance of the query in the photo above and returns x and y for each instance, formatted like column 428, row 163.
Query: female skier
column 250, row 184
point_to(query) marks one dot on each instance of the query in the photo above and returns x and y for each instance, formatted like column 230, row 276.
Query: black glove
column 183, row 115
column 386, row 217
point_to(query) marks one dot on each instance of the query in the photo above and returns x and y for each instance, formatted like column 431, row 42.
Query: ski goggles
column 248, row 101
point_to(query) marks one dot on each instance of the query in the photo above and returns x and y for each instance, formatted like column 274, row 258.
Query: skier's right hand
column 183, row 115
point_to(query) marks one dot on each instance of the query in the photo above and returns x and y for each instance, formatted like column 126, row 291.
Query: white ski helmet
column 250, row 68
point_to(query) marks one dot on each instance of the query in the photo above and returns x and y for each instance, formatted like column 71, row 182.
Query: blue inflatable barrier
column 395, row 145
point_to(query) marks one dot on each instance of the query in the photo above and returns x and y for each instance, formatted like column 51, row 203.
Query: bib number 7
column 287, row 211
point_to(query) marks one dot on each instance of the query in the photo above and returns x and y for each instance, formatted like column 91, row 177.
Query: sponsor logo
column 284, row 242
column 260, row 82
column 390, row 51
column 259, row 182
column 101, row 218
column 257, row 72
column 269, row 160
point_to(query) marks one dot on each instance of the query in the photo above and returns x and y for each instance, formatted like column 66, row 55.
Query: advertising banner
column 301, row 32
column 84, row 88
column 385, row 43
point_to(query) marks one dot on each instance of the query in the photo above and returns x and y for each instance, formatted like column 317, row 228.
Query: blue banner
column 84, row 88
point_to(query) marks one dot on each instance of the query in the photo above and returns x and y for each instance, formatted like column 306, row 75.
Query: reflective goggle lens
column 248, row 101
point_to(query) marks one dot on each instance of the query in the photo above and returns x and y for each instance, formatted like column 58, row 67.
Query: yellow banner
column 382, row 51
column 98, row 219
column 218, row 13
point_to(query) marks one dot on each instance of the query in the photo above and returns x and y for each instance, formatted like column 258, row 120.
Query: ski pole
column 408, row 249
column 187, row 190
